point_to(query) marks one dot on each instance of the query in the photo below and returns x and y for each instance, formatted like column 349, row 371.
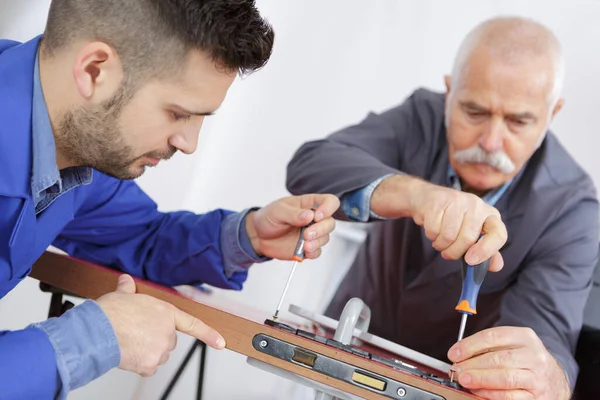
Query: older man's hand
column 508, row 363
column 453, row 220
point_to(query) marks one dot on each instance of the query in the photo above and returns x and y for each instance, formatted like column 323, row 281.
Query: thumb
column 304, row 218
column 282, row 213
column 126, row 284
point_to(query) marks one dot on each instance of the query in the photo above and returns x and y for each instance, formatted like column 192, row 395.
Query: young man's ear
column 97, row 71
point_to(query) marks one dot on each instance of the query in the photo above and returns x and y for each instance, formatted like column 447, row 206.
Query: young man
column 111, row 88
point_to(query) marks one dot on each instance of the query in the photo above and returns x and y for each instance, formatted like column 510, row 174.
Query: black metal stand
column 58, row 307
column 196, row 345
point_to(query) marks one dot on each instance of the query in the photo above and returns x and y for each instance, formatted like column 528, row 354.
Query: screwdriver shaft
column 298, row 257
column 463, row 324
column 285, row 289
column 461, row 333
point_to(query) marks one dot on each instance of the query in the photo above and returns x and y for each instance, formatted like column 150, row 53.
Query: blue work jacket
column 108, row 221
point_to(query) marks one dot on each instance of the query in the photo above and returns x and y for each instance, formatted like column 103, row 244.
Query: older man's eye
column 476, row 114
column 518, row 122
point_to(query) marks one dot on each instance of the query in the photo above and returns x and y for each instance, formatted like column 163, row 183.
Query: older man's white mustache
column 497, row 159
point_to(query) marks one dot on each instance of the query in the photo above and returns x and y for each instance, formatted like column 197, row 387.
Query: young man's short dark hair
column 152, row 37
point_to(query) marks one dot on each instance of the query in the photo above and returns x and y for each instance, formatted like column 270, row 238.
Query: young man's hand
column 146, row 327
column 274, row 230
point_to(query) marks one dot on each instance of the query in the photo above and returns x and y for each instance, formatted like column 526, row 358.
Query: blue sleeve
column 357, row 203
column 27, row 361
column 27, row 365
column 85, row 345
column 238, row 253
column 118, row 225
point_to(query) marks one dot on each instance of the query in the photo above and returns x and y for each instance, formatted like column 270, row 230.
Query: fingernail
column 220, row 343
column 465, row 379
column 305, row 215
column 123, row 279
column 312, row 235
column 472, row 259
column 319, row 216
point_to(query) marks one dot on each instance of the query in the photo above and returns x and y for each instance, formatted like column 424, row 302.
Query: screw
column 401, row 392
column 263, row 343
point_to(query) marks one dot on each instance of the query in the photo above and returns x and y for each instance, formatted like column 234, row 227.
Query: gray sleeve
column 358, row 155
column 551, row 291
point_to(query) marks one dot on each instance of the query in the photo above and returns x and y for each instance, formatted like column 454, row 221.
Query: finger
column 285, row 213
column 496, row 263
column 320, row 229
column 314, row 245
column 449, row 229
column 148, row 372
column 326, row 204
column 126, row 284
column 492, row 339
column 313, row 255
column 504, row 379
column 503, row 394
column 518, row 358
column 494, row 238
column 432, row 223
column 164, row 358
column 172, row 342
column 194, row 327
column 470, row 231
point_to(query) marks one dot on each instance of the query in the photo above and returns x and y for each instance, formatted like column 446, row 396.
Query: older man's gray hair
column 512, row 40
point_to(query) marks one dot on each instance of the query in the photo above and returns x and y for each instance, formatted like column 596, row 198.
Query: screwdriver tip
column 451, row 376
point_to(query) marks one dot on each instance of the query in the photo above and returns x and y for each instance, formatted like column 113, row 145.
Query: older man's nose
column 492, row 136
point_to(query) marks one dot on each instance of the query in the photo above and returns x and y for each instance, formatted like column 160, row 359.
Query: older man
column 455, row 164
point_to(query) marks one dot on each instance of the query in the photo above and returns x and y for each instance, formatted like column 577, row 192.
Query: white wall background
column 333, row 62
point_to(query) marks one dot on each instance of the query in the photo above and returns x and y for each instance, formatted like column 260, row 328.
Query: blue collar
column 46, row 180
column 45, row 172
column 490, row 198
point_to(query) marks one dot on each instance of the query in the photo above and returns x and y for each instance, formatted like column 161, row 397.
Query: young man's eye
column 181, row 117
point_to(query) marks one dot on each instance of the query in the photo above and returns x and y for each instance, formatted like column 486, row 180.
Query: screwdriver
column 297, row 257
column 473, row 276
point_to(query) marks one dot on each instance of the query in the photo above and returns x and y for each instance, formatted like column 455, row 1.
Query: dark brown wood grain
column 92, row 281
